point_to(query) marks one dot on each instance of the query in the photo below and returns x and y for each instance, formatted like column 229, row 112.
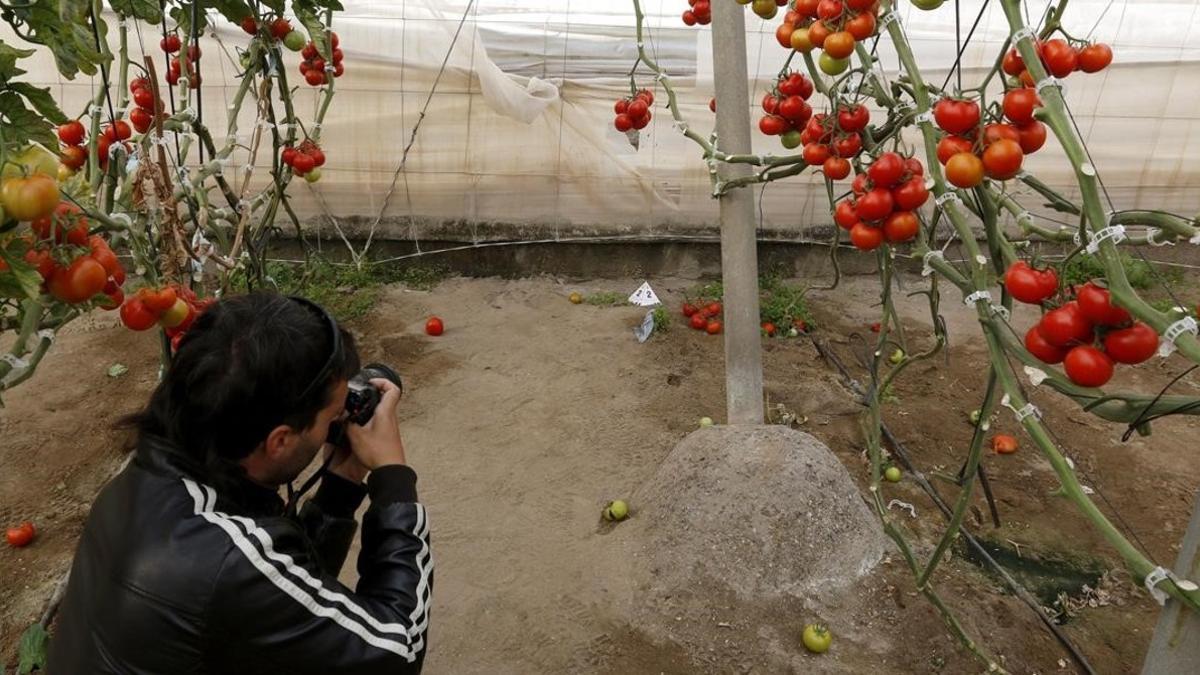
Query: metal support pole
column 1175, row 647
column 739, row 254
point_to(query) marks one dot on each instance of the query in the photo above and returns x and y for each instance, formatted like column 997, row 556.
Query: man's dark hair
column 245, row 367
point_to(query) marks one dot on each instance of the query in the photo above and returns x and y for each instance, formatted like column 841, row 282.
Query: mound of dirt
column 759, row 525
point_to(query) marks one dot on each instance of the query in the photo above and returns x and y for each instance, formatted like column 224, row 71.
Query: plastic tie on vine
column 1025, row 33
column 248, row 168
column 330, row 68
column 1114, row 232
column 912, row 510
column 890, row 17
column 941, row 199
column 1195, row 239
column 120, row 111
column 1036, row 375
column 46, row 334
column 122, row 218
column 1025, row 216
column 244, row 206
column 905, row 106
column 926, row 270
column 1002, row 312
column 188, row 112
column 1161, row 574
column 1185, row 325
column 15, row 361
column 1154, row 232
column 1050, row 81
column 976, row 297
column 926, row 116
column 680, row 126
column 95, row 110
column 316, row 128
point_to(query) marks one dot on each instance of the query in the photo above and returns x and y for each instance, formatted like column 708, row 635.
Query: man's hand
column 345, row 464
column 378, row 442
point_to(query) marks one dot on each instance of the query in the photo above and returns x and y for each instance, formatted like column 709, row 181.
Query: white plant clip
column 46, row 334
column 889, row 18
column 1029, row 410
column 905, row 106
column 1153, row 233
column 1185, row 325
column 976, row 297
column 926, row 270
column 123, row 218
column 1114, row 232
column 923, row 117
column 1002, row 312
column 15, row 361
column 1156, row 577
column 1050, row 81
column 1195, row 239
column 1036, row 375
column 1025, row 217
column 1025, row 33
column 912, row 510
column 941, row 199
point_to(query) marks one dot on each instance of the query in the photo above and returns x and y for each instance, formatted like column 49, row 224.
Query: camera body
column 363, row 397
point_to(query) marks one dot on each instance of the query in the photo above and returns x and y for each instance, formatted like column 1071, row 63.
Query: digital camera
column 363, row 396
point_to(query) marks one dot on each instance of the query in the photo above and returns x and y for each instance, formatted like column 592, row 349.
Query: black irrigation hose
column 971, row 541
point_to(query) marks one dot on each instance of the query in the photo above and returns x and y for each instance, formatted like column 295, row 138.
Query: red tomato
column 1096, row 304
column 112, row 300
column 158, row 301
column 795, row 109
column 965, row 170
column 1088, row 366
column 280, row 28
column 956, row 116
column 859, row 185
column 434, row 326
column 1019, row 105
column 249, row 25
column 712, row 104
column 713, row 308
column 689, row 309
column 1131, row 345
column 914, row 166
column 875, row 205
column 623, row 123
column 1042, row 350
column 772, row 125
column 829, row 10
column 1003, row 444
column 770, row 104
column 865, row 238
column 74, row 157
column 170, row 44
column 621, row 107
column 848, row 146
column 950, row 146
column 996, row 132
column 853, row 118
column 1013, row 64
column 815, row 154
column 71, row 133
column 80, row 282
column 41, row 259
column 836, row 168
column 1065, row 326
column 1094, row 58
column 1032, row 136
column 807, row 8
column 900, row 227
column 1002, row 160
column 911, row 194
column 1029, row 285
column 66, row 225
column 713, row 327
column 839, row 45
column 21, row 535
column 887, row 170
column 141, row 119
column 1060, row 58
column 107, row 259
column 783, row 34
column 769, row 328
column 861, row 26
column 846, row 214
column 699, row 321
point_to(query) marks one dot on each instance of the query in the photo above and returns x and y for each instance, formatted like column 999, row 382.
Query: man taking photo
column 191, row 562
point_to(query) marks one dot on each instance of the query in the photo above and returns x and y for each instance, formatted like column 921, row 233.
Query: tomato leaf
column 23, row 125
column 65, row 28
column 8, row 60
column 234, row 10
column 146, row 10
column 276, row 5
column 41, row 100
column 32, row 652
column 307, row 12
column 183, row 18
column 21, row 280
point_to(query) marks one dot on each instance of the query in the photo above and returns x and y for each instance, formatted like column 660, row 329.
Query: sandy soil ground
column 530, row 413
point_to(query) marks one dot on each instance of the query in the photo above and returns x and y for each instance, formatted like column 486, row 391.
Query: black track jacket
column 173, row 577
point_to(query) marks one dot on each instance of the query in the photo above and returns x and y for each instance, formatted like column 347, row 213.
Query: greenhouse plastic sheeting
column 518, row 139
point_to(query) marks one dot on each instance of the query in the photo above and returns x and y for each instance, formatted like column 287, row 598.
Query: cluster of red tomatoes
column 633, row 112
column 146, row 105
column 174, row 308
column 830, row 141
column 304, row 160
column 313, row 67
column 998, row 149
column 1087, row 334
column 175, row 70
column 74, row 155
column 787, row 109
column 1060, row 59
column 74, row 266
column 700, row 13
column 706, row 318
column 834, row 26
column 883, row 206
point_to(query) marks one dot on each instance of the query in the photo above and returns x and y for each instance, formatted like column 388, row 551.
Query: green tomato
column 896, row 357
column 832, row 66
column 706, row 422
column 766, row 9
column 928, row 5
column 791, row 139
column 892, row 475
column 313, row 176
column 295, row 41
column 974, row 417
column 34, row 158
column 617, row 510
column 817, row 638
